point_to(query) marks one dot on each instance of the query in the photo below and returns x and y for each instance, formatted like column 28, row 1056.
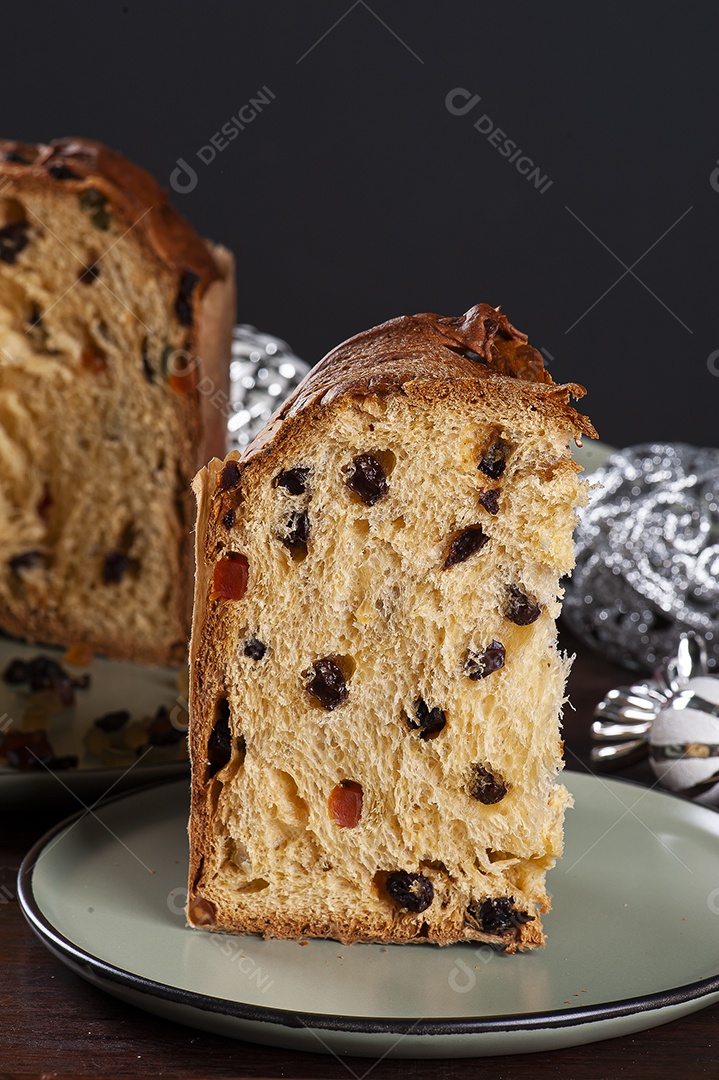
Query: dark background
column 356, row 195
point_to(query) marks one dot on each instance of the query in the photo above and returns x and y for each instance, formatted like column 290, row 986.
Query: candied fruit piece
column 25, row 750
column 327, row 683
column 412, row 891
column 480, row 665
column 469, row 540
column 345, row 804
column 293, row 480
column 429, row 721
column 219, row 744
column 521, row 609
column 229, row 577
column 367, row 479
column 486, row 787
column 230, row 476
column 496, row 916
column 490, row 500
column 79, row 655
column 254, row 648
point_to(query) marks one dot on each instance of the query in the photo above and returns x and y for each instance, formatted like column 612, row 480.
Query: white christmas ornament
column 674, row 717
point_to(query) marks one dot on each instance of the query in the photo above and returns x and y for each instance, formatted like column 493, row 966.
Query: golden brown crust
column 134, row 193
column 204, row 276
column 480, row 345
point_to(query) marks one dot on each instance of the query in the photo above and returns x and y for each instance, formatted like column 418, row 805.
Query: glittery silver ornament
column 263, row 372
column 647, row 549
column 674, row 717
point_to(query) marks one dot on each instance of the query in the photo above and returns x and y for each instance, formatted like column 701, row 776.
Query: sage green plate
column 633, row 938
column 114, row 685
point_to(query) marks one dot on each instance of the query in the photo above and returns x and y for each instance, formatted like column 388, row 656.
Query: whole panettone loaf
column 375, row 682
column 115, row 323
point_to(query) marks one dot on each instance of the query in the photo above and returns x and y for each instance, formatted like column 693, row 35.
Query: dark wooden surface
column 53, row 1023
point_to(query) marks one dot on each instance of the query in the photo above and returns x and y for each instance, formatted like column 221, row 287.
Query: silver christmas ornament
column 647, row 549
column 674, row 717
column 263, row 372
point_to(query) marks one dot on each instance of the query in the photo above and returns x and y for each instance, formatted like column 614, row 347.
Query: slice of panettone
column 375, row 681
column 115, row 323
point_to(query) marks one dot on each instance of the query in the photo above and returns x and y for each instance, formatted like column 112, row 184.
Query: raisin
column 298, row 531
column 470, row 540
column 254, row 648
column 494, row 459
column 26, row 561
column 147, row 369
column 498, row 915
column 229, row 577
column 55, row 763
column 485, row 787
column 228, row 518
column 61, row 172
column 162, row 731
column 345, row 804
column 480, row 665
column 327, row 683
column 114, row 567
column 412, row 891
column 490, row 500
column 520, row 608
column 16, row 672
column 429, row 721
column 90, row 274
column 46, row 674
column 219, row 744
column 368, row 479
column 113, row 721
column 94, row 203
column 230, row 476
column 13, row 238
column 44, row 504
column 183, row 303
column 25, row 749
column 15, row 158
column 293, row 480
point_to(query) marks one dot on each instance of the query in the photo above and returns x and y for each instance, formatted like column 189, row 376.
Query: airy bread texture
column 115, row 324
column 375, row 683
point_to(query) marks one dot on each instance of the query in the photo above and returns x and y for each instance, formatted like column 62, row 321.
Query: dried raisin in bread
column 115, row 324
column 375, row 682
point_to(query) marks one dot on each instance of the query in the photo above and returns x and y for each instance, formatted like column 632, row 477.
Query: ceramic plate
column 633, row 939
column 113, row 687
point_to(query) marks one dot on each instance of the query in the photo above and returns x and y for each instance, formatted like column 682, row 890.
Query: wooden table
column 53, row 1023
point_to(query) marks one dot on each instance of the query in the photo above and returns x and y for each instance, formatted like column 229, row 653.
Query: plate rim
column 80, row 960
